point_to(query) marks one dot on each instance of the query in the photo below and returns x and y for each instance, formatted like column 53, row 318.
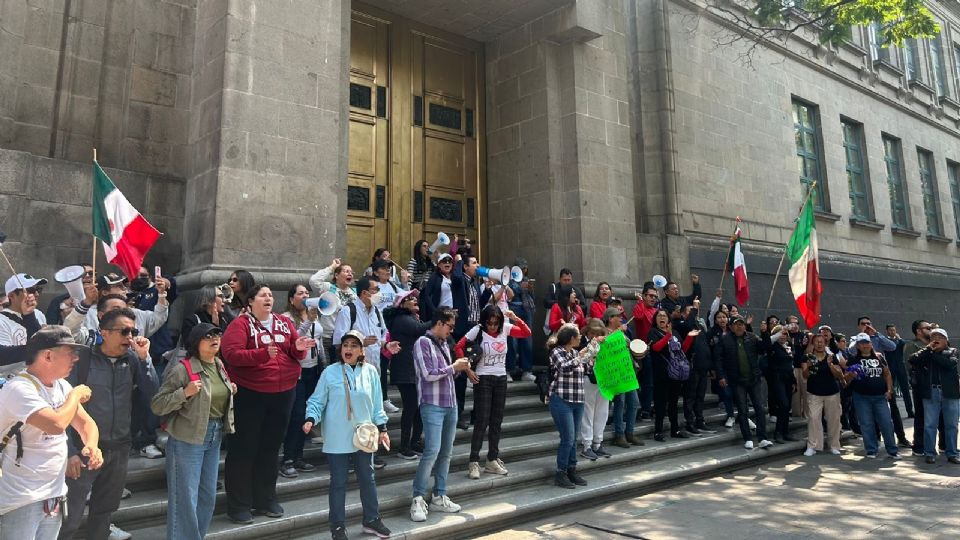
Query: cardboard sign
column 614, row 367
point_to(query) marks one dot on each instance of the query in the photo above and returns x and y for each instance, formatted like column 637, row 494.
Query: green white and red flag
column 805, row 267
column 126, row 235
column 738, row 268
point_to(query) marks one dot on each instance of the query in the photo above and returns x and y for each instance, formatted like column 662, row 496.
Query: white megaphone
column 516, row 274
column 659, row 281
column 72, row 278
column 494, row 274
column 327, row 303
column 442, row 240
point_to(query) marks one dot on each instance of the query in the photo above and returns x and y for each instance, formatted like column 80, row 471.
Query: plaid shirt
column 434, row 372
column 567, row 375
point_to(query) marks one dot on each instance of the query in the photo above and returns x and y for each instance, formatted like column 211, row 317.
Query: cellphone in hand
column 156, row 273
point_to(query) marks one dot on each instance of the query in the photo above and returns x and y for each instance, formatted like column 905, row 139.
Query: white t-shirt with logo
column 40, row 475
column 494, row 359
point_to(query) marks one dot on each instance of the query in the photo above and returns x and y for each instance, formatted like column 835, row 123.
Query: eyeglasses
column 449, row 325
column 125, row 332
column 88, row 273
column 210, row 335
column 36, row 291
column 233, row 279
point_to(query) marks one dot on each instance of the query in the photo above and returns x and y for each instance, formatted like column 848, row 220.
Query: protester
column 421, row 265
column 872, row 385
column 44, row 405
column 625, row 405
column 490, row 383
column 553, row 294
column 781, row 382
column 406, row 328
column 939, row 385
column 21, row 320
column 673, row 303
column 596, row 408
column 387, row 293
column 342, row 284
column 566, row 403
column 599, row 303
column 117, row 366
column 898, row 367
column 262, row 351
column 566, row 310
column 823, row 375
column 921, row 333
column 695, row 391
column 523, row 303
column 196, row 399
column 349, row 394
column 671, row 369
column 719, row 329
column 241, row 282
column 62, row 304
column 147, row 322
column 643, row 313
column 739, row 368
column 210, row 310
column 438, row 410
column 308, row 324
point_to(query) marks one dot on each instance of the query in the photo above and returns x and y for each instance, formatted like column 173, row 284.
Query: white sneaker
column 765, row 444
column 751, row 424
column 495, row 467
column 126, row 494
column 442, row 503
column 835, row 452
column 473, row 470
column 729, row 423
column 748, row 445
column 529, row 377
column 418, row 509
column 150, row 452
column 116, row 533
column 390, row 407
column 809, row 452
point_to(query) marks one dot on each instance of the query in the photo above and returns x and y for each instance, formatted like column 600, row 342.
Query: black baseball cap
column 737, row 318
column 201, row 331
column 105, row 281
column 51, row 337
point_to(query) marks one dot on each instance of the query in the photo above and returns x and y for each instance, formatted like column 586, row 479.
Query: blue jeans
column 874, row 411
column 192, row 483
column 439, row 430
column 932, row 409
column 633, row 403
column 522, row 349
column 646, row 385
column 566, row 416
column 337, row 498
column 30, row 522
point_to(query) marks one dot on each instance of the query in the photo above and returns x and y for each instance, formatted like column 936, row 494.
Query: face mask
column 140, row 284
column 376, row 298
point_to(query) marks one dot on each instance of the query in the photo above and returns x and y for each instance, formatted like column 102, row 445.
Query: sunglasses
column 233, row 280
column 36, row 291
column 125, row 332
column 88, row 273
column 213, row 335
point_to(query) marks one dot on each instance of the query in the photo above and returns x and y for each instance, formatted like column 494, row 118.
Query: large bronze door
column 416, row 165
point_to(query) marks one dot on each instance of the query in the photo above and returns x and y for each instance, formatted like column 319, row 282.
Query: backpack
column 678, row 367
column 191, row 375
column 353, row 315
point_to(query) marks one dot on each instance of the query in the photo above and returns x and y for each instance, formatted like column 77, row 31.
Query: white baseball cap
column 862, row 336
column 23, row 281
column 940, row 331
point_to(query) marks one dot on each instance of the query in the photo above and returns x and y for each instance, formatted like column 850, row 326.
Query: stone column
column 269, row 139
column 560, row 188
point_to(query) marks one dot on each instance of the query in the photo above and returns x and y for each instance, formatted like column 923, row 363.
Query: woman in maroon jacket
column 262, row 353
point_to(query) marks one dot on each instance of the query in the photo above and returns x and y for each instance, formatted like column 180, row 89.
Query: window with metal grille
column 806, row 127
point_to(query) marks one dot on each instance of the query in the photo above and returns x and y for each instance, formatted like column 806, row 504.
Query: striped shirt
column 567, row 375
column 435, row 372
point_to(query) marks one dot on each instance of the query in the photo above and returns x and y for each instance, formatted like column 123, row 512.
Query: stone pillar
column 560, row 187
column 269, row 139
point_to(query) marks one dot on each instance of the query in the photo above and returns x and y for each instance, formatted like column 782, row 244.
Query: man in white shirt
column 20, row 321
column 36, row 407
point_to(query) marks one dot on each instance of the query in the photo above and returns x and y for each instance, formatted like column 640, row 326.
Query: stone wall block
column 151, row 86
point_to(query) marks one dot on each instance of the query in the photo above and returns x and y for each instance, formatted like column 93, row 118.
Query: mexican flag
column 126, row 235
column 804, row 266
column 738, row 269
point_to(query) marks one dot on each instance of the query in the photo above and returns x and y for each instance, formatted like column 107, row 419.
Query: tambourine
column 638, row 348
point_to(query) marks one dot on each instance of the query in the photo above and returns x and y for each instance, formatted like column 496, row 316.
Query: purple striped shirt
column 434, row 372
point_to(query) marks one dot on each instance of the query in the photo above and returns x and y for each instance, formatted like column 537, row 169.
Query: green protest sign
column 614, row 367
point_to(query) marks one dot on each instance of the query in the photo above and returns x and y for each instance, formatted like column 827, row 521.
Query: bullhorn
column 659, row 281
column 442, row 240
column 327, row 303
column 72, row 278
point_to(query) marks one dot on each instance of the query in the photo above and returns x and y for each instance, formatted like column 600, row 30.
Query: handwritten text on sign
column 614, row 367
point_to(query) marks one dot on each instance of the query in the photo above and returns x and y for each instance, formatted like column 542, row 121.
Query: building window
column 806, row 127
column 956, row 66
column 911, row 59
column 879, row 51
column 953, row 171
column 928, row 185
column 893, row 157
column 939, row 65
column 856, row 174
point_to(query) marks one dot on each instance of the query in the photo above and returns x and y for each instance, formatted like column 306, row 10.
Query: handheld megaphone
column 659, row 281
column 327, row 303
column 516, row 274
column 494, row 274
column 442, row 240
column 72, row 278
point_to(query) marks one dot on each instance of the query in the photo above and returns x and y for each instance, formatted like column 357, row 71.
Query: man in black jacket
column 701, row 364
column 673, row 303
column 739, row 367
column 938, row 383
column 116, row 367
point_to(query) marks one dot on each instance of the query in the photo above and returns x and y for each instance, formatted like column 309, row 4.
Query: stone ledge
column 826, row 216
column 908, row 233
column 867, row 224
column 938, row 239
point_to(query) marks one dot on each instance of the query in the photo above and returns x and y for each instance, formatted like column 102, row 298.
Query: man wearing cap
column 921, row 333
column 21, row 320
column 117, row 366
column 147, row 322
column 36, row 407
column 738, row 366
column 938, row 383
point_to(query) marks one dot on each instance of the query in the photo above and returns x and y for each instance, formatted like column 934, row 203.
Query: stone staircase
column 528, row 448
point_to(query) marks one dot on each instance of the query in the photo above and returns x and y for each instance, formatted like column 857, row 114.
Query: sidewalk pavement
column 823, row 496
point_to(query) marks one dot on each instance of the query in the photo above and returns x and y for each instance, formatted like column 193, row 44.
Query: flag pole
column 94, row 261
column 726, row 262
column 776, row 276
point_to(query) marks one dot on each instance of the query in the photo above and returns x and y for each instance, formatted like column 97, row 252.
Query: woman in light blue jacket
column 328, row 406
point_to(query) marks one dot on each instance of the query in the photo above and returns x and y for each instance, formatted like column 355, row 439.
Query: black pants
column 411, row 426
column 666, row 394
column 848, row 415
column 742, row 391
column 780, row 385
column 296, row 438
column 250, row 473
column 897, row 420
column 918, row 418
column 460, row 387
column 695, row 392
column 384, row 375
column 105, row 486
column 332, row 357
column 489, row 401
column 901, row 381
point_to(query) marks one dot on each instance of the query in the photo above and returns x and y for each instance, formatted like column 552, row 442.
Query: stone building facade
column 619, row 138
